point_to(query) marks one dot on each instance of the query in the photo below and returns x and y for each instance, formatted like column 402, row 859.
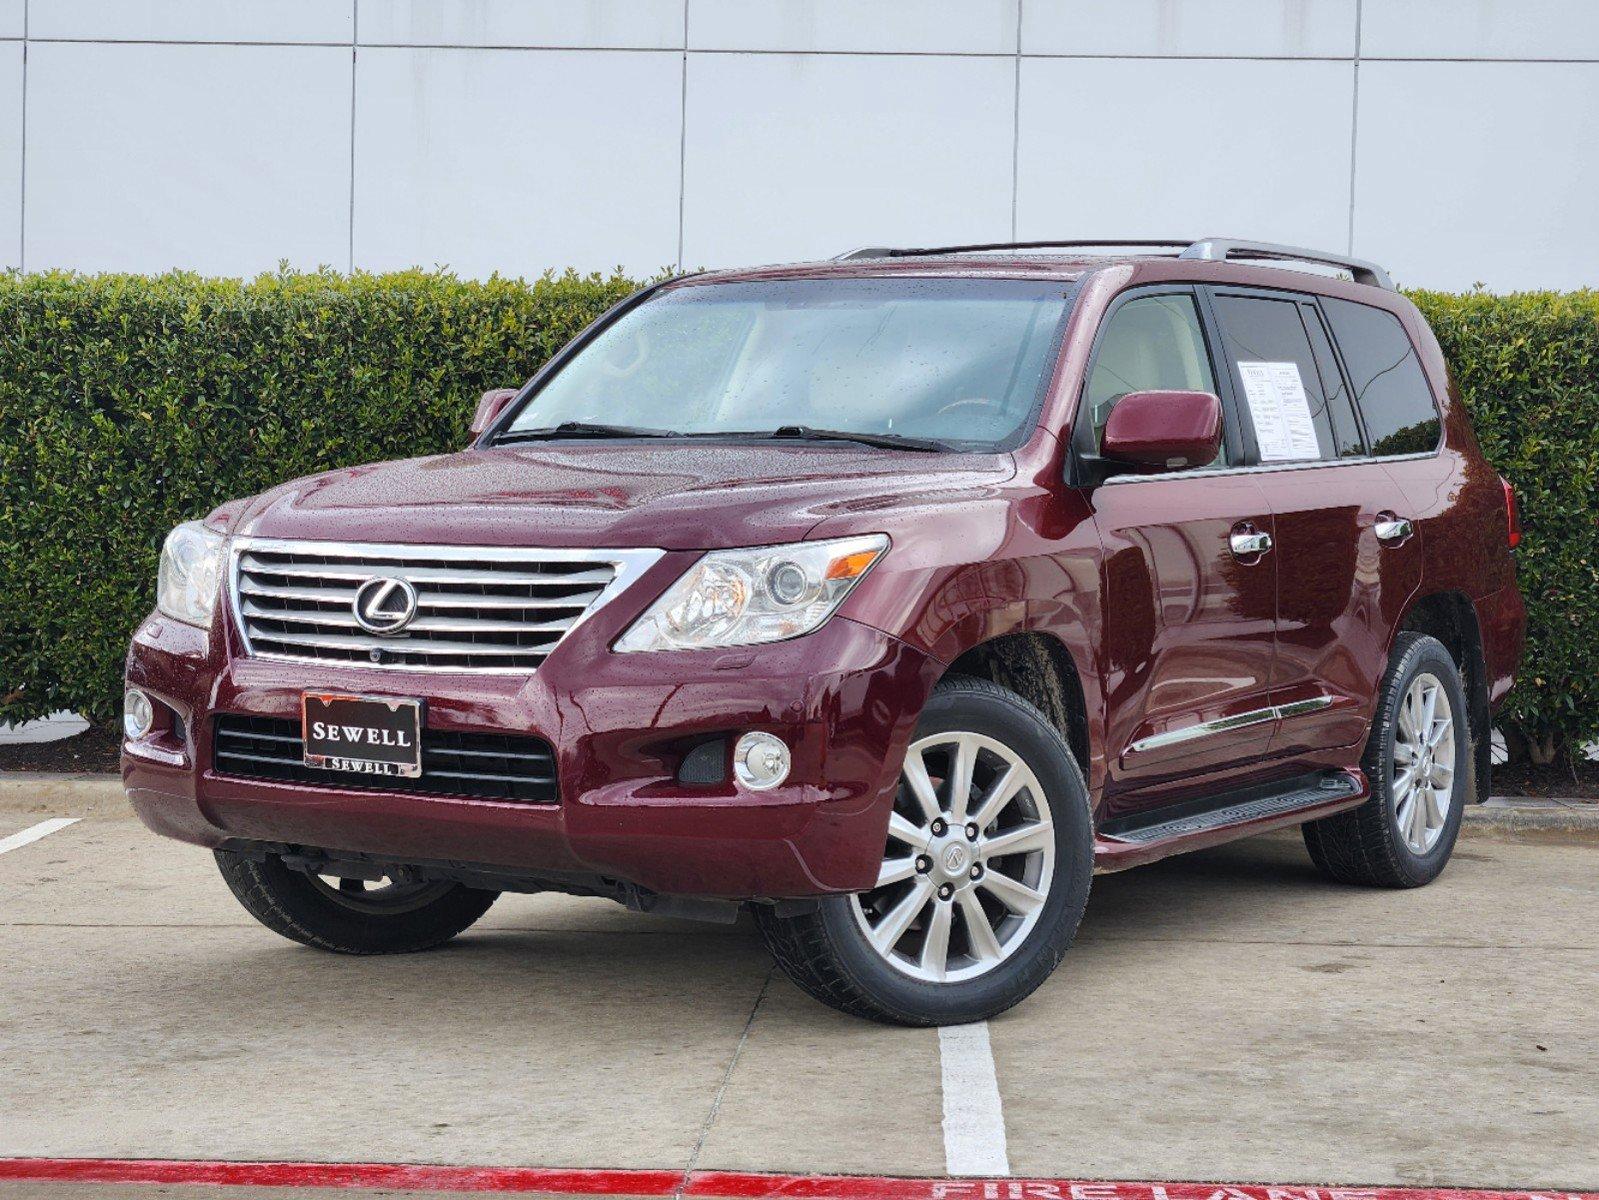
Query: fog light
column 761, row 761
column 138, row 714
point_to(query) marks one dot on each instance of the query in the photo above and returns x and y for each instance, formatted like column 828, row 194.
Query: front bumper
column 845, row 698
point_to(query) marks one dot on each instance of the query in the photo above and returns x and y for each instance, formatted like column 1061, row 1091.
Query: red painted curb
column 703, row 1185
column 419, row 1177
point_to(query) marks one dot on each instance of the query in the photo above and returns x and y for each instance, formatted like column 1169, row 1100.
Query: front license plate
column 369, row 734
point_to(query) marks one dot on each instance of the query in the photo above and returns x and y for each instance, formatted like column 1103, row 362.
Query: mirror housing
column 1163, row 431
column 490, row 405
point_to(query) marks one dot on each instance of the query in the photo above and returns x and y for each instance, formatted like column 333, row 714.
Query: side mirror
column 1163, row 431
column 491, row 405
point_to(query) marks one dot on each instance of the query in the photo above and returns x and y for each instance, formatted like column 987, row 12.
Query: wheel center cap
column 954, row 858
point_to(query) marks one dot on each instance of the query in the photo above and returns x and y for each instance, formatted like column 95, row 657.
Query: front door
column 1189, row 605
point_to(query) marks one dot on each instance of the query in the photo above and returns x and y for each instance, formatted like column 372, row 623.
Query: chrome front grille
column 477, row 608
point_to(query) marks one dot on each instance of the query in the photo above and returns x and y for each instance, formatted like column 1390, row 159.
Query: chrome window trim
column 1243, row 720
column 1255, row 468
column 629, row 565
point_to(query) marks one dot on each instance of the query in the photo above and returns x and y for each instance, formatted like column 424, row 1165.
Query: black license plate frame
column 378, row 735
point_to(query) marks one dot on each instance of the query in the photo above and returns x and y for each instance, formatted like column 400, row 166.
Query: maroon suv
column 891, row 597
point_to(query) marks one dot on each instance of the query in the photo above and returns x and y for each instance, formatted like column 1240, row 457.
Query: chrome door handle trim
column 1395, row 530
column 1250, row 543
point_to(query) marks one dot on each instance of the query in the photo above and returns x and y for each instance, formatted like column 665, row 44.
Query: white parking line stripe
column 34, row 832
column 974, row 1122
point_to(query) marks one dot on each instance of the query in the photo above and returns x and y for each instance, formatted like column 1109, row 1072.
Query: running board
column 1145, row 837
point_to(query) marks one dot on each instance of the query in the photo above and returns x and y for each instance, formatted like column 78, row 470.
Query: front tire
column 351, row 916
column 985, row 873
column 1417, row 759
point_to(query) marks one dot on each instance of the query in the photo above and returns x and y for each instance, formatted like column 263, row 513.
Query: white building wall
column 1456, row 141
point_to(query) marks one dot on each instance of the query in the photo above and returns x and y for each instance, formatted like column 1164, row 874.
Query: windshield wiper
column 888, row 441
column 581, row 429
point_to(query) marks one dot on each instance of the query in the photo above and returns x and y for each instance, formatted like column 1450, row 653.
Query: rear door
column 1346, row 562
column 1188, row 622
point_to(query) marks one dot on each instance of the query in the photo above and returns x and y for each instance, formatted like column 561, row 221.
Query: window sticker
column 1280, row 410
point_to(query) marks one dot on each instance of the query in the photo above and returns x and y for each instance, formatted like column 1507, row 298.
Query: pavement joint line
column 34, row 832
column 701, row 1185
column 721, row 1090
column 1081, row 938
column 974, row 1118
column 1344, row 945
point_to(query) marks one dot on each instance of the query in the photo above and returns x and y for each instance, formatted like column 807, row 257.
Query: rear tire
column 963, row 925
column 396, row 918
column 1418, row 760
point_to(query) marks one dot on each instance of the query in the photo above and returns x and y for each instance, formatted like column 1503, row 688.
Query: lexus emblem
column 384, row 605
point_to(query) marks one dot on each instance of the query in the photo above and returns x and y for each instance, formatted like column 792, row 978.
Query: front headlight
column 763, row 594
column 191, row 574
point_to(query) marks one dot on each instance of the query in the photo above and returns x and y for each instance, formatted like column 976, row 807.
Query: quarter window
column 1153, row 343
column 1295, row 415
column 1390, row 386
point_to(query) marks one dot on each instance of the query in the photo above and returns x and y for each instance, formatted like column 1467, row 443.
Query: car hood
column 669, row 495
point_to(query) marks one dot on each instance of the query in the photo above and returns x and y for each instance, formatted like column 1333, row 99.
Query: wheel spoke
column 1434, row 811
column 1442, row 726
column 1404, row 753
column 1402, row 812
column 1405, row 782
column 915, row 774
column 898, row 919
column 1034, row 836
column 1013, row 894
column 1001, row 793
column 985, row 946
column 1429, row 708
column 960, row 779
column 1416, row 831
column 903, row 830
column 1407, row 717
column 895, row 869
column 935, row 946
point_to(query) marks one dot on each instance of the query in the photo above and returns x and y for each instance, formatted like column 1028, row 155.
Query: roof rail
column 1223, row 249
column 1081, row 244
column 1205, row 249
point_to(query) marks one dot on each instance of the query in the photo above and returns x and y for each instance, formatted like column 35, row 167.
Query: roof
column 1070, row 260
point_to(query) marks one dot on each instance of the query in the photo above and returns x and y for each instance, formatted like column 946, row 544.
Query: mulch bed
column 1580, row 782
column 92, row 750
column 98, row 750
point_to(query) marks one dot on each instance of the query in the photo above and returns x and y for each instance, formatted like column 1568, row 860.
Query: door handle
column 1246, row 544
column 1393, row 529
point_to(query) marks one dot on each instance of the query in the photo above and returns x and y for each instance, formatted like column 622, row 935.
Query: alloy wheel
column 380, row 897
column 1423, row 779
column 968, row 864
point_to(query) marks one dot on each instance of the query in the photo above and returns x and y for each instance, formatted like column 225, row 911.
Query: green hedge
column 129, row 403
column 1527, row 366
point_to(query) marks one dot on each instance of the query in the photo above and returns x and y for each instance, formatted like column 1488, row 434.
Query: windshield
column 958, row 361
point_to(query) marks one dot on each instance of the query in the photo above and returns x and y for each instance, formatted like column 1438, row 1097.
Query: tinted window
column 959, row 360
column 1390, row 387
column 1340, row 408
column 1278, row 380
column 1153, row 343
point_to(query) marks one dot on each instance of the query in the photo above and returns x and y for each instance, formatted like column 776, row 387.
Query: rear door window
column 1297, row 416
column 1390, row 387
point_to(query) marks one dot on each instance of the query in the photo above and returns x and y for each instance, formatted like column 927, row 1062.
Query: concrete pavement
column 1225, row 1016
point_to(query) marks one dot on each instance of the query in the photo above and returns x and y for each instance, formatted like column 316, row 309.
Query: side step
column 1255, row 807
column 1147, row 837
